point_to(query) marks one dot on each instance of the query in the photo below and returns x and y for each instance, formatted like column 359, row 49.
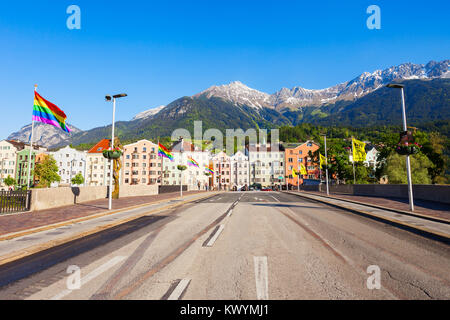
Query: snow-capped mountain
column 241, row 95
column 238, row 93
column 44, row 134
column 360, row 86
column 148, row 113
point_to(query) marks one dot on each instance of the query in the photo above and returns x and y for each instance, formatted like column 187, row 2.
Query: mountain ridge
column 236, row 105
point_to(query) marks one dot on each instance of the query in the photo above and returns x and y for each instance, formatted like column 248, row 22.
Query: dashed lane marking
column 179, row 289
column 261, row 278
column 215, row 236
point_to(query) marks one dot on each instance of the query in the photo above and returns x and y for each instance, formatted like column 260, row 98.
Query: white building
column 8, row 155
column 98, row 167
column 193, row 177
column 371, row 157
column 266, row 165
column 240, row 170
column 70, row 163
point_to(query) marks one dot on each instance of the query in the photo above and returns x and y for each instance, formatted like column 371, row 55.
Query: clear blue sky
column 158, row 51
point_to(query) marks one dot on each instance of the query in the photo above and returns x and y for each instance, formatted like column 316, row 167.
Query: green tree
column 78, row 179
column 9, row 181
column 47, row 171
column 395, row 169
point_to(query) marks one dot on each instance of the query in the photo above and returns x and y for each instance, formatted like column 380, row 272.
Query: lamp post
column 405, row 128
column 108, row 98
column 326, row 162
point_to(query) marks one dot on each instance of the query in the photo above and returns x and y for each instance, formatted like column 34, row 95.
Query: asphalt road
column 251, row 245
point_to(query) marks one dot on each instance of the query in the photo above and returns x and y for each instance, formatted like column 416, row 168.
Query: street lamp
column 108, row 98
column 408, row 161
column 326, row 160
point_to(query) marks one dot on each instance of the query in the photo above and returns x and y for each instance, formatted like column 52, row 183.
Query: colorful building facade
column 141, row 164
column 299, row 153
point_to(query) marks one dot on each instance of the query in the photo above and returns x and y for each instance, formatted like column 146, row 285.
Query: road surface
column 251, row 245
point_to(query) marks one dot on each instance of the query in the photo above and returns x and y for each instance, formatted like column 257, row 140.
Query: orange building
column 294, row 155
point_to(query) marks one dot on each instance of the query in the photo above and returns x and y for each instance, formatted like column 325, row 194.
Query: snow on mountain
column 297, row 97
column 360, row 86
column 148, row 113
column 44, row 134
column 239, row 94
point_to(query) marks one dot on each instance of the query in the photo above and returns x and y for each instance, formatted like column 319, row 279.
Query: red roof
column 100, row 146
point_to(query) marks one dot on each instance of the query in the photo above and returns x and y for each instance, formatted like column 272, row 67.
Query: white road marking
column 176, row 294
column 103, row 268
column 229, row 213
column 276, row 199
column 261, row 278
column 216, row 235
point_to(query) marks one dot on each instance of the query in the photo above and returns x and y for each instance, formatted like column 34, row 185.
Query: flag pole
column 31, row 144
column 353, row 162
column 162, row 165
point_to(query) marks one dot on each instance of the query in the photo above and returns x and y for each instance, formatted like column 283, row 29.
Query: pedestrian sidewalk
column 435, row 228
column 31, row 241
column 421, row 207
column 28, row 220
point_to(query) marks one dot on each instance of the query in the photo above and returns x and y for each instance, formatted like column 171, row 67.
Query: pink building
column 222, row 169
column 141, row 164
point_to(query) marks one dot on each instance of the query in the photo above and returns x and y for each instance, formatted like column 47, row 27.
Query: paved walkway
column 26, row 243
column 28, row 220
column 431, row 227
column 428, row 208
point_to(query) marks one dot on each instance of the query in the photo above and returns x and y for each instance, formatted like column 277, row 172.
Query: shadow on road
column 280, row 205
column 43, row 260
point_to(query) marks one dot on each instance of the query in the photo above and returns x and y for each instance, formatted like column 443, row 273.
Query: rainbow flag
column 192, row 162
column 46, row 112
column 164, row 152
column 209, row 170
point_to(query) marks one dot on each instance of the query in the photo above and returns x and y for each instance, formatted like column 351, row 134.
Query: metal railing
column 14, row 201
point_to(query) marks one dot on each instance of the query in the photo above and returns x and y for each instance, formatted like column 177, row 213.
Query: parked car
column 256, row 186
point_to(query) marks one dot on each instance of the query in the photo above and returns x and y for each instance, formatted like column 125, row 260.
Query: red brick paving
column 29, row 220
column 429, row 208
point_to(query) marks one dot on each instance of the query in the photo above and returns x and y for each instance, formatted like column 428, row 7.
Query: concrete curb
column 11, row 257
column 403, row 225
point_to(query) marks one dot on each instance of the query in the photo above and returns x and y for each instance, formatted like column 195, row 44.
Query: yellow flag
column 359, row 150
column 323, row 160
column 303, row 169
column 294, row 174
